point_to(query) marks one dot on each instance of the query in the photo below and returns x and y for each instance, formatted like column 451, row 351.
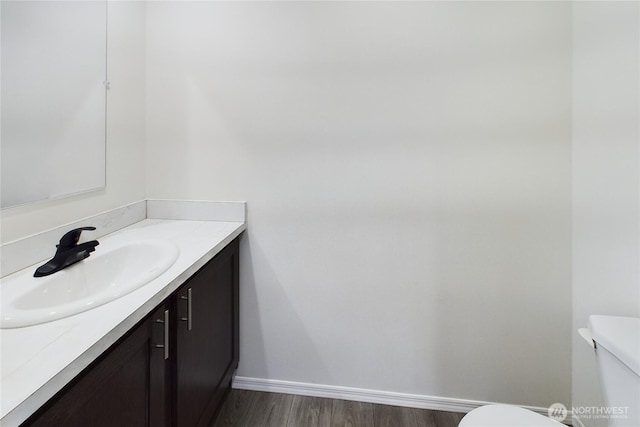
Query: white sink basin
column 112, row 271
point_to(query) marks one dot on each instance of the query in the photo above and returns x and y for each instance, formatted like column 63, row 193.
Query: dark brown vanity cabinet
column 126, row 387
column 172, row 369
column 206, row 352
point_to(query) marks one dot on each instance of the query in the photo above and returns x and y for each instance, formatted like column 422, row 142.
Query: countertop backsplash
column 19, row 254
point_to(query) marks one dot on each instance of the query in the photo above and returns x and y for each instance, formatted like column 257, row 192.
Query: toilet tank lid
column 620, row 336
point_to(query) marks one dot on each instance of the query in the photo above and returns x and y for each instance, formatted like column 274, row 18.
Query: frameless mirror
column 53, row 99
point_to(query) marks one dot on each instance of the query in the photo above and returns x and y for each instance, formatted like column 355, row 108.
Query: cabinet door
column 206, row 338
column 127, row 386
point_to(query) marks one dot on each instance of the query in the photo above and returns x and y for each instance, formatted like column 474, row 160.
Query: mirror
column 53, row 99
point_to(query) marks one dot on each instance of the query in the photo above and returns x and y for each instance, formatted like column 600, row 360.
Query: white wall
column 125, row 134
column 407, row 167
column 606, row 177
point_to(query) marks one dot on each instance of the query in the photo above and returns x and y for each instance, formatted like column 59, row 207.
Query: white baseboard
column 365, row 395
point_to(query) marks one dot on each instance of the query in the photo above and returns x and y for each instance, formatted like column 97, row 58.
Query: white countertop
column 37, row 361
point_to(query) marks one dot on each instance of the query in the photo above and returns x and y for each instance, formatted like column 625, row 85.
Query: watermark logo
column 558, row 412
column 601, row 412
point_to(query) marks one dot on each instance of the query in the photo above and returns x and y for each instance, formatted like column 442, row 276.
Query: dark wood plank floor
column 244, row 408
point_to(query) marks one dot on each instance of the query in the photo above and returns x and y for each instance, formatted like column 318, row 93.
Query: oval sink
column 114, row 270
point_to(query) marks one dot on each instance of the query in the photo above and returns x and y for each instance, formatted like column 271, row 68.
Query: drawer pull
column 189, row 318
column 165, row 346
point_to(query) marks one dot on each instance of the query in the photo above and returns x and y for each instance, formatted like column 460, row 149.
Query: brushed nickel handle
column 165, row 346
column 189, row 317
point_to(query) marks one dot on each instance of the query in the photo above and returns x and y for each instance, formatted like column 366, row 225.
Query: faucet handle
column 70, row 239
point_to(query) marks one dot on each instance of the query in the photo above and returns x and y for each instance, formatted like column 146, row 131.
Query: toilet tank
column 617, row 345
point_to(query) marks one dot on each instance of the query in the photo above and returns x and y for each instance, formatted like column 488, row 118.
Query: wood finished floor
column 244, row 408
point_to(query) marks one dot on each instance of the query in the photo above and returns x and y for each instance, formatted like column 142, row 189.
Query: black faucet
column 68, row 253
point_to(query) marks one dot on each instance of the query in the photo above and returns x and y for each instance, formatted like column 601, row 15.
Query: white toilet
column 616, row 341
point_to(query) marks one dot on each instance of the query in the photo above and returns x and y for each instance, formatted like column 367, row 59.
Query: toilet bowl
column 505, row 415
column 616, row 341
